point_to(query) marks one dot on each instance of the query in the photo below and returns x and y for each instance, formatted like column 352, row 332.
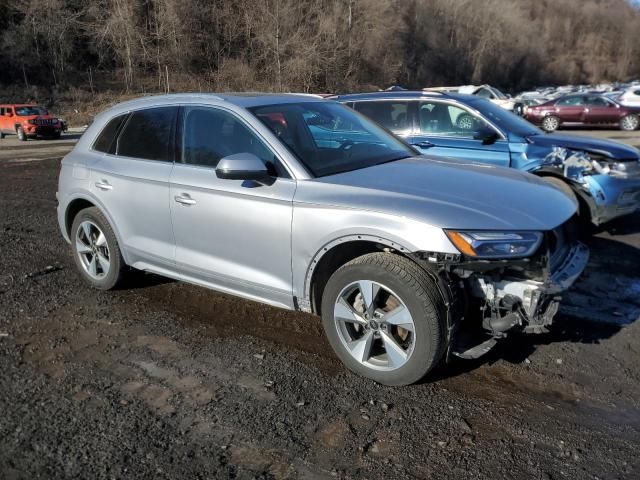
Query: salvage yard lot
column 166, row 380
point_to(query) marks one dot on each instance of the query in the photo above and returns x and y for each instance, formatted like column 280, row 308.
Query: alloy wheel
column 374, row 325
column 630, row 122
column 466, row 122
column 93, row 250
column 550, row 124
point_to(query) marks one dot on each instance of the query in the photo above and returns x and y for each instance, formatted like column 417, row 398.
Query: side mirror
column 9, row 114
column 487, row 134
column 242, row 166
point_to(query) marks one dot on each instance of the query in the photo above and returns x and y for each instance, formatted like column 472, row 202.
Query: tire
column 550, row 123
column 21, row 135
column 97, row 276
column 629, row 122
column 417, row 333
column 57, row 135
column 1, row 135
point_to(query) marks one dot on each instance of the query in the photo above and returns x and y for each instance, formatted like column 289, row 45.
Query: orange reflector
column 461, row 244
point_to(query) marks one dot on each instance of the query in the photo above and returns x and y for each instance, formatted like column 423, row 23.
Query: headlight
column 616, row 169
column 31, row 122
column 495, row 244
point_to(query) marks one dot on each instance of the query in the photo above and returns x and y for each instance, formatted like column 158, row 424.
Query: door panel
column 599, row 110
column 133, row 184
column 447, row 130
column 136, row 195
column 234, row 235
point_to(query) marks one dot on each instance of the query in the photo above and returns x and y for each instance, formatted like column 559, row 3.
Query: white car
column 631, row 97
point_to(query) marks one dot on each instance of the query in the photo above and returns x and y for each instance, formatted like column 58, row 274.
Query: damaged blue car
column 602, row 176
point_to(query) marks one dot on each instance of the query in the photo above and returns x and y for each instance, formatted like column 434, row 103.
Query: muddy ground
column 164, row 380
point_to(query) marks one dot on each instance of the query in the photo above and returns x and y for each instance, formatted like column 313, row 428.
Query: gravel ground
column 166, row 380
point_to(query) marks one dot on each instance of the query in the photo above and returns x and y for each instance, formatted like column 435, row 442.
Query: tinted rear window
column 148, row 134
column 105, row 141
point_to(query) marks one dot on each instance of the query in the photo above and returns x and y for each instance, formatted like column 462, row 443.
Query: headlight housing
column 491, row 244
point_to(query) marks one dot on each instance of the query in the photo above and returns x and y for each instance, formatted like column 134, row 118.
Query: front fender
column 316, row 229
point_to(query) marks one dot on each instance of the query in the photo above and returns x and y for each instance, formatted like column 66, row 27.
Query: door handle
column 423, row 144
column 104, row 185
column 184, row 199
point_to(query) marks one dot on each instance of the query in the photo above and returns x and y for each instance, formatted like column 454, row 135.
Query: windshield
column 329, row 138
column 507, row 121
column 30, row 110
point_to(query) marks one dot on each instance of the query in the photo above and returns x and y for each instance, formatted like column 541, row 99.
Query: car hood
column 607, row 148
column 446, row 193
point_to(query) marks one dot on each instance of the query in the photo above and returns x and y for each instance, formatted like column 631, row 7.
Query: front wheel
column 550, row 123
column 384, row 318
column 629, row 122
column 95, row 249
column 21, row 135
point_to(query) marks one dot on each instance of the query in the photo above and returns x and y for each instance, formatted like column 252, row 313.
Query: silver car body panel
column 262, row 241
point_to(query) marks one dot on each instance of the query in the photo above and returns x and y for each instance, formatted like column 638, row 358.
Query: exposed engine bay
column 501, row 296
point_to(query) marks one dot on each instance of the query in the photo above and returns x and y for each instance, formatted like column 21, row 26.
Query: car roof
column 245, row 100
column 405, row 95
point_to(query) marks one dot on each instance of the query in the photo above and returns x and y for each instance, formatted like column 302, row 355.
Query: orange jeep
column 28, row 121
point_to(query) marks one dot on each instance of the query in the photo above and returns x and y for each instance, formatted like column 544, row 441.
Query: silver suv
column 304, row 204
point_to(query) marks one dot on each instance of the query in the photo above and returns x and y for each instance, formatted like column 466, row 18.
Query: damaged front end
column 610, row 187
column 501, row 296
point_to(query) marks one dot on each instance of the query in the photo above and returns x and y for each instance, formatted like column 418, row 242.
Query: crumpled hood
column 608, row 148
column 446, row 193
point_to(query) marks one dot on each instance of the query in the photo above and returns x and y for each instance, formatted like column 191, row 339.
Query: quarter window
column 210, row 134
column 148, row 134
column 105, row 141
column 448, row 120
column 392, row 115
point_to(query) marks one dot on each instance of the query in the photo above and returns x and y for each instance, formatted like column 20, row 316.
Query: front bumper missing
column 529, row 304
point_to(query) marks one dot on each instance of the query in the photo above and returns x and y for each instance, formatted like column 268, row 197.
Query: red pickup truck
column 28, row 121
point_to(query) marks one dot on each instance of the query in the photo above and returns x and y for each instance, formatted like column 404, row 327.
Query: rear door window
column 393, row 116
column 148, row 134
column 106, row 139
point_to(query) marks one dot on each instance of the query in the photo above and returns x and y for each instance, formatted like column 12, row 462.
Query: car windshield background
column 30, row 110
column 329, row 138
column 505, row 120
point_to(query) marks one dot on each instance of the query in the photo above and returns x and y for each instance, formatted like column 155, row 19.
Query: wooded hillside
column 314, row 45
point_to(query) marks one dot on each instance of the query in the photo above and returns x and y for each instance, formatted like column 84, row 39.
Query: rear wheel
column 629, row 122
column 384, row 318
column 95, row 249
column 550, row 123
column 21, row 135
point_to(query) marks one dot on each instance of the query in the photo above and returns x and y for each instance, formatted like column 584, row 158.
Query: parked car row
column 412, row 247
column 29, row 121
